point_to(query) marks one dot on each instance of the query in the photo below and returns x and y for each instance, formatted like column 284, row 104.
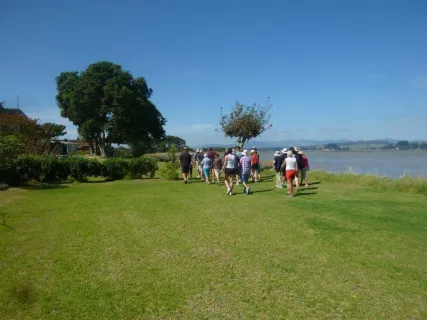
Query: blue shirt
column 245, row 164
column 206, row 163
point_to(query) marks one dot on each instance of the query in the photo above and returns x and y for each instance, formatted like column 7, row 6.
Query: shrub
column 78, row 167
column 30, row 166
column 3, row 186
column 142, row 166
column 53, row 169
column 170, row 169
column 10, row 148
column 115, row 168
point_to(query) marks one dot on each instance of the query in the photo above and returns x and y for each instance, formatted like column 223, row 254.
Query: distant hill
column 276, row 145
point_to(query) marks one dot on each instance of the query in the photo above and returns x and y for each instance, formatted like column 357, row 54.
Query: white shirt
column 291, row 163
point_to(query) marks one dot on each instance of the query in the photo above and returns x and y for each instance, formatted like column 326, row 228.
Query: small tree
column 170, row 170
column 246, row 122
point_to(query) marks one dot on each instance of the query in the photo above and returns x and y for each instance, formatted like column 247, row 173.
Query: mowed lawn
column 152, row 249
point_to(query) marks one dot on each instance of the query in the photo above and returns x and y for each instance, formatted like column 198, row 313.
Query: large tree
column 168, row 141
column 109, row 105
column 35, row 137
column 244, row 122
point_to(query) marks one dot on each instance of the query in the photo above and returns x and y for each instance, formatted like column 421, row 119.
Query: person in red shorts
column 291, row 166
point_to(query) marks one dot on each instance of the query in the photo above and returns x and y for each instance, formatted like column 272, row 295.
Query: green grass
column 152, row 249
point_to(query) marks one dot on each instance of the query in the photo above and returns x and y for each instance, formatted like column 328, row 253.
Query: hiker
column 190, row 172
column 299, row 161
column 277, row 163
column 304, row 169
column 254, row 166
column 282, row 159
column 291, row 166
column 217, row 166
column 207, row 166
column 259, row 164
column 199, row 163
column 185, row 161
column 229, row 167
column 245, row 167
column 239, row 171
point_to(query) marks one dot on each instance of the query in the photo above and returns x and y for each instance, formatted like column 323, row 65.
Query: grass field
column 151, row 249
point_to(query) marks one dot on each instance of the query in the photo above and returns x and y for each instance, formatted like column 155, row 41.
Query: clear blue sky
column 333, row 69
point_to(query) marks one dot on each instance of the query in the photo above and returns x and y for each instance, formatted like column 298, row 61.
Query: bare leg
column 231, row 183
column 290, row 188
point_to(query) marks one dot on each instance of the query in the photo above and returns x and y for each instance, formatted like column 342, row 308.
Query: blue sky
column 333, row 69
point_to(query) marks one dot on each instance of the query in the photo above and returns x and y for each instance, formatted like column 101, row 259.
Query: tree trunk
column 241, row 142
column 91, row 146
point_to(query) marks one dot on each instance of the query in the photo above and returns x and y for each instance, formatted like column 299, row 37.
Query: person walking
column 291, row 166
column 245, row 167
column 229, row 167
column 217, row 166
column 185, row 161
column 207, row 166
column 199, row 160
column 277, row 163
column 238, row 153
column 282, row 159
column 254, row 165
column 304, row 169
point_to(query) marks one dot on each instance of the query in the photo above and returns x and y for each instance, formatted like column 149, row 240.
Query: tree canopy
column 165, row 144
column 35, row 137
column 109, row 105
column 244, row 122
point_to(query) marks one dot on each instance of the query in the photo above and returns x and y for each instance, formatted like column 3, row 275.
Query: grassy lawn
column 152, row 249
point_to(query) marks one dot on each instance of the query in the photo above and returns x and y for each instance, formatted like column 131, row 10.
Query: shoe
column 280, row 187
column 185, row 182
column 290, row 196
column 228, row 192
column 306, row 184
column 248, row 191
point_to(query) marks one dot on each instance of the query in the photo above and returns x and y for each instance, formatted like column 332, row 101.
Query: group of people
column 291, row 166
column 243, row 166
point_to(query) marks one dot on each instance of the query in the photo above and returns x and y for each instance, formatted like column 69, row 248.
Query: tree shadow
column 4, row 222
column 97, row 181
column 304, row 194
column 43, row 186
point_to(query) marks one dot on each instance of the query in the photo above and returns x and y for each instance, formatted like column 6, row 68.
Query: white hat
column 252, row 151
column 254, row 148
column 201, row 150
column 245, row 152
column 277, row 153
column 205, row 154
column 284, row 150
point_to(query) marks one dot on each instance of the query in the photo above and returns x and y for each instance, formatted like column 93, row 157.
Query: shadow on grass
column 4, row 222
column 309, row 188
column 316, row 182
column 97, row 181
column 261, row 191
column 43, row 186
column 300, row 194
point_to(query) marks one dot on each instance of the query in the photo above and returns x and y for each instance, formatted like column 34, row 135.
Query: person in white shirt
column 291, row 166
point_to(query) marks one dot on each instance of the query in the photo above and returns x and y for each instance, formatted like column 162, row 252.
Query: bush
column 3, row 186
column 53, row 169
column 78, row 167
column 115, row 168
column 170, row 170
column 142, row 166
column 10, row 148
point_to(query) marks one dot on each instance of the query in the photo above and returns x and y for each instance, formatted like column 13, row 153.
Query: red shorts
column 291, row 174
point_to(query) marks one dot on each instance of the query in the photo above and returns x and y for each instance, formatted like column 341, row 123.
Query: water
column 392, row 163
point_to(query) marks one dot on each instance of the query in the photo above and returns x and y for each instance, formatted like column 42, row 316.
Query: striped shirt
column 245, row 164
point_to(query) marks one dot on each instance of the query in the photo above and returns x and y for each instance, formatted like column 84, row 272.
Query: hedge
column 52, row 169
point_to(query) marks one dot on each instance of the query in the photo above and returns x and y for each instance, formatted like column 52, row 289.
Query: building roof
column 12, row 111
